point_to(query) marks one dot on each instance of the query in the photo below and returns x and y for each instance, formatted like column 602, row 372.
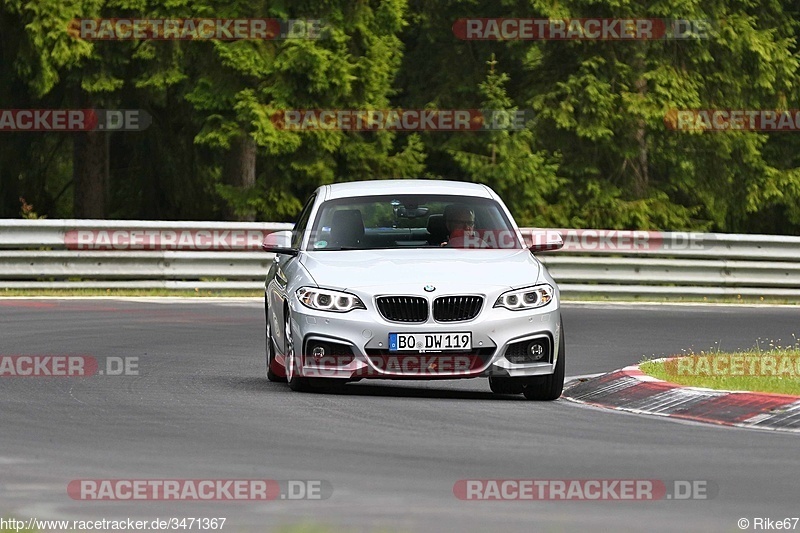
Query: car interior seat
column 437, row 230
column 347, row 228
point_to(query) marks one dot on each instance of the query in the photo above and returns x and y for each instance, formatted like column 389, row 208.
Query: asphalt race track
column 200, row 408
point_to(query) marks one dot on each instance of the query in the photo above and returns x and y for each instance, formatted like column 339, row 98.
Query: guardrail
column 49, row 254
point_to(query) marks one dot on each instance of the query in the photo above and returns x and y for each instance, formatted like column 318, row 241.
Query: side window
column 302, row 223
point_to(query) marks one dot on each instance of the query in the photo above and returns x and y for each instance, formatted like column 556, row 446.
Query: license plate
column 429, row 342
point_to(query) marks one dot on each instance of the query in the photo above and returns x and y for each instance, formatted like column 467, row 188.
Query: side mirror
column 546, row 242
column 279, row 242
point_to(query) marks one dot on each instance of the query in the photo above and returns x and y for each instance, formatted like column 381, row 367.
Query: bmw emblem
column 429, row 288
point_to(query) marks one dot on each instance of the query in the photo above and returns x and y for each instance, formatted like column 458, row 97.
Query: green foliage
column 263, row 203
column 26, row 211
column 597, row 152
column 47, row 49
column 506, row 160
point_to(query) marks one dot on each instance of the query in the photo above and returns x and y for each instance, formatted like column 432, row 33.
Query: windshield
column 411, row 221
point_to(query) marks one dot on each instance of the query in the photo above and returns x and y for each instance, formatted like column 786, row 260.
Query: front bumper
column 366, row 334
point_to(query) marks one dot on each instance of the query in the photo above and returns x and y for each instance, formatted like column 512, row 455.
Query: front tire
column 272, row 364
column 296, row 382
column 549, row 388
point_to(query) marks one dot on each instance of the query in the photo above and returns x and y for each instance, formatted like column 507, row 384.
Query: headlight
column 328, row 300
column 527, row 298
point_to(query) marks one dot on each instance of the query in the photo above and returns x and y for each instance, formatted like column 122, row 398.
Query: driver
column 460, row 222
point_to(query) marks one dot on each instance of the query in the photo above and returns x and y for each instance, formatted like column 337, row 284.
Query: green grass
column 775, row 369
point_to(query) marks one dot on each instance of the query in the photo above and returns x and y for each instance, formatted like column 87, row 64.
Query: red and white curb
column 630, row 390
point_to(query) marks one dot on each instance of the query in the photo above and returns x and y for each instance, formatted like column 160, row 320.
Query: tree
column 506, row 160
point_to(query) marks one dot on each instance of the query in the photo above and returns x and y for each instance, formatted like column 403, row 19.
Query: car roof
column 406, row 186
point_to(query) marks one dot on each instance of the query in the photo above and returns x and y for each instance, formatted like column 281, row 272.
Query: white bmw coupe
column 412, row 279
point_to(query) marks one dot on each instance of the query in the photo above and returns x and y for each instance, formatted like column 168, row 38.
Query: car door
column 284, row 267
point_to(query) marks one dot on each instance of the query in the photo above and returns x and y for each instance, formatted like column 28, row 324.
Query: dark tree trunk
column 240, row 170
column 90, row 174
column 9, row 192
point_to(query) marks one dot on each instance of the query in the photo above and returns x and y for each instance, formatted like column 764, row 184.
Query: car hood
column 444, row 268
